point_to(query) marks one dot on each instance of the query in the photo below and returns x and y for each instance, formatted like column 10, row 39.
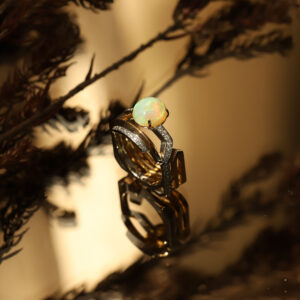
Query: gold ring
column 137, row 155
column 153, row 176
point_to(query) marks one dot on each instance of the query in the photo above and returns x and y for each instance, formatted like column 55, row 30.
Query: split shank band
column 152, row 176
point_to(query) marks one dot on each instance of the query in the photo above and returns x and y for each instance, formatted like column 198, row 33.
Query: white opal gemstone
column 149, row 111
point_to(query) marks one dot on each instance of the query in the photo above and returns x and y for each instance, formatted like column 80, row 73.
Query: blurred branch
column 27, row 28
column 93, row 4
column 168, row 83
column 21, row 194
column 266, row 269
column 58, row 103
column 234, row 30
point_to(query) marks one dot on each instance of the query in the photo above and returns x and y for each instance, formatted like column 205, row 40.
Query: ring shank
column 136, row 153
column 140, row 164
column 165, row 237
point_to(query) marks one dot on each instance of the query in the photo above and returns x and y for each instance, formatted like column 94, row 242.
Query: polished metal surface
column 161, row 239
column 153, row 177
column 137, row 155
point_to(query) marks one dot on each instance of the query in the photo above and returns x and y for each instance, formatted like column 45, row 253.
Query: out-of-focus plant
column 267, row 269
column 43, row 38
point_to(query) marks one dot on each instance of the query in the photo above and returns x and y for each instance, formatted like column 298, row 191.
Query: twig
column 58, row 103
column 89, row 73
column 176, row 76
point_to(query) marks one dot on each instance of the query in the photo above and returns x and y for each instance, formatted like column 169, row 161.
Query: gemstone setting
column 149, row 112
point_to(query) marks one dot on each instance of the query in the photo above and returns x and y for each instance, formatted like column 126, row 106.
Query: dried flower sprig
column 268, row 268
column 26, row 92
column 234, row 29
column 58, row 103
column 25, row 99
column 94, row 4
column 22, row 194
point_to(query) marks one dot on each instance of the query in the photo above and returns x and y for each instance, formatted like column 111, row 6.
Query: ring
column 161, row 239
column 153, row 176
column 137, row 154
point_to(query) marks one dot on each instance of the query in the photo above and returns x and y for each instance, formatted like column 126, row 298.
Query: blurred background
column 224, row 122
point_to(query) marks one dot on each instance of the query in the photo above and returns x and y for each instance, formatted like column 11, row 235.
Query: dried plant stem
column 58, row 103
column 175, row 77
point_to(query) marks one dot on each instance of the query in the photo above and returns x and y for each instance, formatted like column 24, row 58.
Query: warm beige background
column 223, row 122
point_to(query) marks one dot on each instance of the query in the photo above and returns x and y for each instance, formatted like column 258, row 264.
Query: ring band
column 161, row 239
column 137, row 155
column 153, row 177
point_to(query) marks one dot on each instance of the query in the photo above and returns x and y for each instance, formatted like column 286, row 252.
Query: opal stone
column 149, row 109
